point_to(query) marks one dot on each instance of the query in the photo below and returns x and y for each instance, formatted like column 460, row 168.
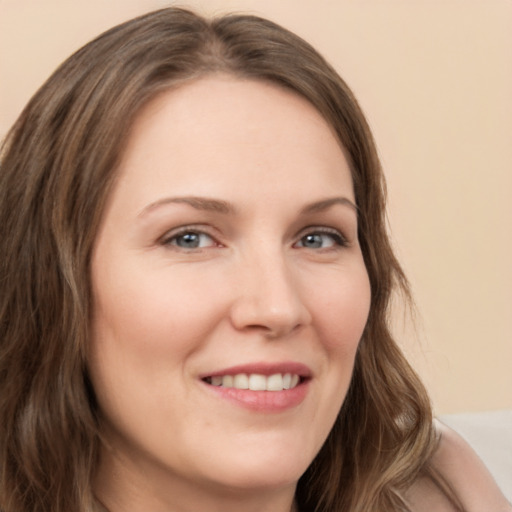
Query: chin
column 259, row 478
column 263, row 470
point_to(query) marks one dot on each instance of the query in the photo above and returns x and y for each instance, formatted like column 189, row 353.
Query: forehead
column 247, row 129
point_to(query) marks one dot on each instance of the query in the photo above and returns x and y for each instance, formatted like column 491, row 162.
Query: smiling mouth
column 256, row 382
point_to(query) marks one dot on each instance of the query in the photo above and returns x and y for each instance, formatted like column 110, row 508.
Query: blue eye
column 190, row 240
column 321, row 240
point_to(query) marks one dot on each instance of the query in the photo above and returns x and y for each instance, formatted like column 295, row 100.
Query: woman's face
column 227, row 257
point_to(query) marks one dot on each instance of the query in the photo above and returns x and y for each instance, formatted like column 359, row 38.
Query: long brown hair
column 58, row 166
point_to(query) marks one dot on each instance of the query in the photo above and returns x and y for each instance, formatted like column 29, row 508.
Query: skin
column 464, row 472
column 255, row 289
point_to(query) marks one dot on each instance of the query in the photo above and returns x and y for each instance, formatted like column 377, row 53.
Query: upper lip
column 263, row 368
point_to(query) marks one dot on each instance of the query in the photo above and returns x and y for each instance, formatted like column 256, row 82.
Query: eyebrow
column 223, row 207
column 325, row 204
column 199, row 203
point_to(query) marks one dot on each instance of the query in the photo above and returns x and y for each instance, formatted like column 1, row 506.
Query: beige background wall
column 435, row 79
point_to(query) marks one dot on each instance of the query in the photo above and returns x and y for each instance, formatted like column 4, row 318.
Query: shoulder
column 456, row 470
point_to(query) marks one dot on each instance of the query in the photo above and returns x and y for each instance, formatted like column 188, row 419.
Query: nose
column 269, row 298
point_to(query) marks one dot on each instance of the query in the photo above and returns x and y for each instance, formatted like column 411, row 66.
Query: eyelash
column 169, row 238
column 339, row 240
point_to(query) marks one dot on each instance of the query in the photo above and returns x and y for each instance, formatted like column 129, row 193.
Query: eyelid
column 188, row 228
column 338, row 235
column 166, row 239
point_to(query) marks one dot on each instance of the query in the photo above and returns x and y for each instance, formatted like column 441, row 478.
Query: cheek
column 144, row 330
column 341, row 311
column 149, row 315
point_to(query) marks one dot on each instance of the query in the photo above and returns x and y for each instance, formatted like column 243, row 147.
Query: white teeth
column 275, row 382
column 227, row 381
column 256, row 382
column 241, row 381
column 217, row 381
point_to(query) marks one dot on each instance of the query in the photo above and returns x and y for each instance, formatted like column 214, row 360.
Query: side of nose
column 268, row 298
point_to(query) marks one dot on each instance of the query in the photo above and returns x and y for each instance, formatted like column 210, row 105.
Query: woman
column 195, row 283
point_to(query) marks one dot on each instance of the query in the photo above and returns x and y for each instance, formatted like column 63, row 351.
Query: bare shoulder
column 461, row 474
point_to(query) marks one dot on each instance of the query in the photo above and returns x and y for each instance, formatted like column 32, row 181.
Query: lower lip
column 263, row 401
